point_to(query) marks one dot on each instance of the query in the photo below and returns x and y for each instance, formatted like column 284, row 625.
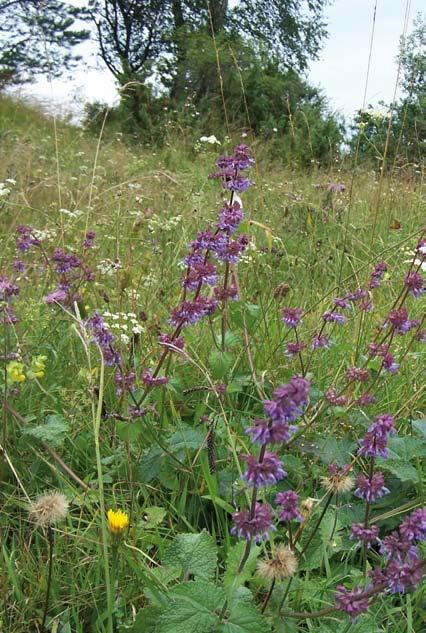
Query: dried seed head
column 48, row 509
column 306, row 506
column 338, row 483
column 281, row 290
column 283, row 565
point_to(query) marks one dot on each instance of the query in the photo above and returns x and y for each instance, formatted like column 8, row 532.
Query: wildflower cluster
column 254, row 523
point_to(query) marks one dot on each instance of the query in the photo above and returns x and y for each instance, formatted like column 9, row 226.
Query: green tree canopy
column 37, row 37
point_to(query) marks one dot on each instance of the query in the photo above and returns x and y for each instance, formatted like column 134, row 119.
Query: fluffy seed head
column 49, row 508
column 283, row 565
column 338, row 480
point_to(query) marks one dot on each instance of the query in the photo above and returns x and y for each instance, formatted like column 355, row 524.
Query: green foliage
column 193, row 608
column 195, row 554
column 54, row 431
column 37, row 39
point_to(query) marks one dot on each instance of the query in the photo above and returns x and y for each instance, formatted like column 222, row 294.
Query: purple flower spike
column 413, row 528
column 400, row 321
column 414, row 281
column 230, row 217
column 395, row 547
column 320, row 342
column 264, row 432
column 371, row 490
column 292, row 349
column 292, row 316
column 364, row 534
column 190, row 312
column 288, row 502
column 256, row 528
column 288, row 401
column 351, row 602
column 265, row 473
column 151, row 381
column 334, row 317
column 377, row 274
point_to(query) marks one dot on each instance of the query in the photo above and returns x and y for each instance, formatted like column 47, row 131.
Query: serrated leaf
column 403, row 470
column 150, row 465
column 185, row 438
column 146, row 620
column 406, row 448
column 153, row 516
column 232, row 580
column 220, row 363
column 196, row 554
column 194, row 608
column 243, row 616
column 54, row 431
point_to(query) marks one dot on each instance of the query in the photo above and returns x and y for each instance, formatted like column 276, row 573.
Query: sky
column 341, row 69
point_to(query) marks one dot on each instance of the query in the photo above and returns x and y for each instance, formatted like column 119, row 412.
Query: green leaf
column 54, row 431
column 153, row 516
column 185, row 438
column 150, row 464
column 403, row 470
column 406, row 448
column 194, row 608
column 146, row 620
column 196, row 554
column 232, row 580
column 243, row 616
column 220, row 363
column 420, row 427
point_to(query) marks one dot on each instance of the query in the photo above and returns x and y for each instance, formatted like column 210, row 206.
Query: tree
column 37, row 37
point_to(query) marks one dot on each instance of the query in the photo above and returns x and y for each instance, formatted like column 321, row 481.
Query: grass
column 146, row 205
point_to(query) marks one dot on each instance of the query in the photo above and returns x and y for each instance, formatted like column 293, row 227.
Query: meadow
column 213, row 413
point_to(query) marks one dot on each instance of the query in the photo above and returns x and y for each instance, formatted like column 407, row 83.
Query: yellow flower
column 38, row 365
column 15, row 371
column 118, row 521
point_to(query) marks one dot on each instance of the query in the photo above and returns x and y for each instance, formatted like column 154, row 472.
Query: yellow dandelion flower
column 118, row 521
column 15, row 371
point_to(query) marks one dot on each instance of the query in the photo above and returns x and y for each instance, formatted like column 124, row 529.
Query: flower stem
column 50, row 539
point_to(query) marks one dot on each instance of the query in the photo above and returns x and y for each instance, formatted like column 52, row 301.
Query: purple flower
column 336, row 187
column 124, row 382
column 224, row 294
column 256, row 527
column 288, row 502
column 401, row 576
column 400, row 321
column 59, row 295
column 357, row 295
column 292, row 316
column 351, row 602
column 340, row 302
column 374, row 443
column 136, row 412
column 103, row 338
column 293, row 349
column 89, row 239
column 414, row 281
column 371, row 490
column 265, row 432
column 365, row 534
column 333, row 398
column 231, row 251
column 153, row 381
column 334, row 317
column 166, row 339
column 236, row 183
column 190, row 312
column 204, row 273
column 414, row 526
column 64, row 262
column 230, row 217
column 25, row 238
column 365, row 399
column 7, row 289
column 265, row 473
column 389, row 364
column 377, row 274
column 9, row 316
column 319, row 342
column 395, row 547
column 288, row 400
column 19, row 266
column 357, row 374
